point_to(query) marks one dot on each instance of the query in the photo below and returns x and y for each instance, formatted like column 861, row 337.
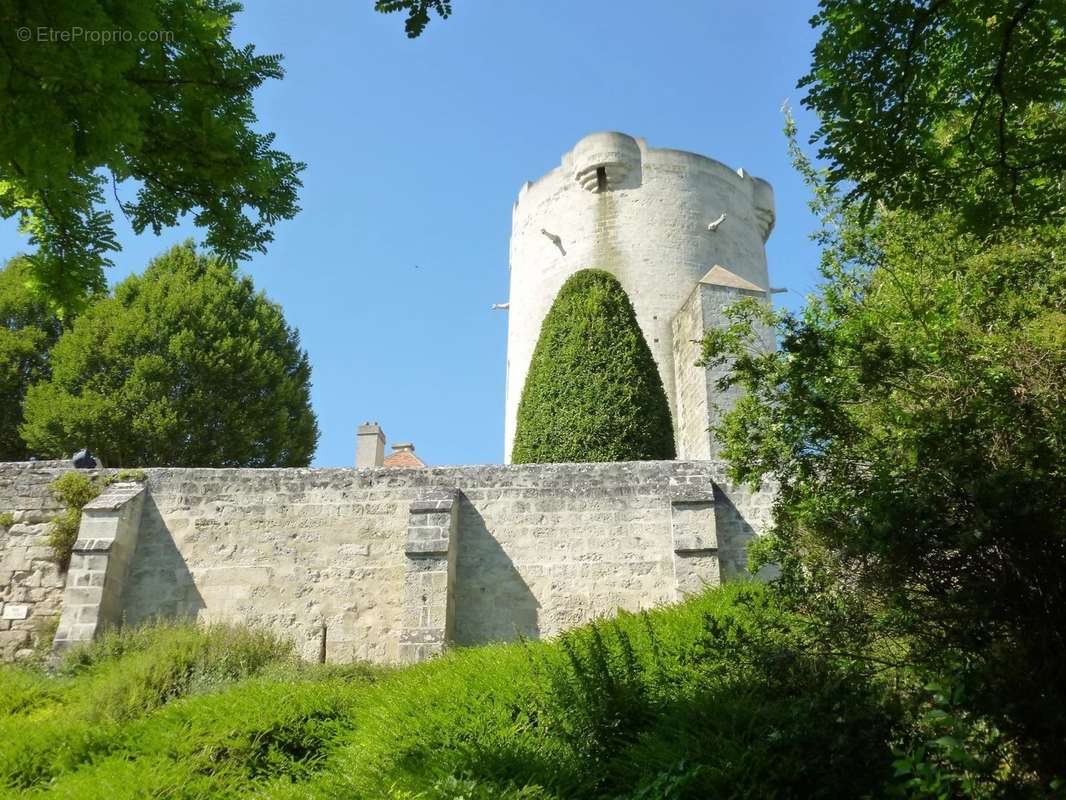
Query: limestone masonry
column 664, row 222
column 392, row 561
column 380, row 564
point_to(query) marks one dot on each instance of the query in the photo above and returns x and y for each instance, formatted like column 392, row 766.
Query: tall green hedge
column 593, row 392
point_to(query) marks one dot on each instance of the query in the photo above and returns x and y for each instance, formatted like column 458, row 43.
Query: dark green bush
column 730, row 705
column 593, row 391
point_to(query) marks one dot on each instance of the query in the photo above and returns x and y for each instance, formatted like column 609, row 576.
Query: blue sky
column 416, row 150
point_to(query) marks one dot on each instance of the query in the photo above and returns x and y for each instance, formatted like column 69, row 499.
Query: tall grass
column 712, row 698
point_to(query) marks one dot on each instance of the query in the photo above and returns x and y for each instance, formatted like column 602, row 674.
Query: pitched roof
column 403, row 455
column 720, row 276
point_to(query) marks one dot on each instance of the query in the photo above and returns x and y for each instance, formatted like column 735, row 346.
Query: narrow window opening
column 601, row 179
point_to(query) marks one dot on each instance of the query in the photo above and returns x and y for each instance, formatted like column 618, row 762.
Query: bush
column 106, row 697
column 135, row 672
column 593, row 391
column 74, row 490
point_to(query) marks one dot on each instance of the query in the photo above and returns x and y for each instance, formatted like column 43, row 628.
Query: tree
column 417, row 12
column 915, row 418
column 185, row 365
column 932, row 103
column 27, row 332
column 95, row 92
column 593, row 391
column 915, row 414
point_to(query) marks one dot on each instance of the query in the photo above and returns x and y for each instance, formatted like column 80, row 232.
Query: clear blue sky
column 416, row 150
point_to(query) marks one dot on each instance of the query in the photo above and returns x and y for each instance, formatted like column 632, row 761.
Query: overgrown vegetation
column 74, row 490
column 593, row 391
column 723, row 696
column 131, row 475
column 915, row 413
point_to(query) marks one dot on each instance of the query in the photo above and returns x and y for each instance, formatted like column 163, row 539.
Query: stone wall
column 701, row 406
column 385, row 564
column 31, row 586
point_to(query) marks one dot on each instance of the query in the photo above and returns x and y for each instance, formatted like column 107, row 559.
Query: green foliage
column 73, row 490
column 951, row 753
column 721, row 696
column 165, row 101
column 27, row 332
column 7, row 519
column 134, row 475
column 593, row 392
column 134, row 672
column 417, row 12
column 26, row 691
column 927, row 105
column 915, row 416
column 62, row 534
column 98, row 700
column 186, row 365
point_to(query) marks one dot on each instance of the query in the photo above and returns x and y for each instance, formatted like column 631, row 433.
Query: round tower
column 657, row 219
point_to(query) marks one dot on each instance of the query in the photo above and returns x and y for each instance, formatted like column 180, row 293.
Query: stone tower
column 684, row 234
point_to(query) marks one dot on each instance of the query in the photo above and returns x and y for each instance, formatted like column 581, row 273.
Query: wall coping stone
column 114, row 497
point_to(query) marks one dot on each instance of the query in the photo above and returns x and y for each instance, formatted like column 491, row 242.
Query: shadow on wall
column 734, row 532
column 159, row 583
column 492, row 602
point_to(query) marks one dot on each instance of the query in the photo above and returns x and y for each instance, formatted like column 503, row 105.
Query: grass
column 710, row 698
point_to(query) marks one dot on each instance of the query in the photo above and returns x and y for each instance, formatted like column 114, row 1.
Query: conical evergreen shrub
column 593, row 392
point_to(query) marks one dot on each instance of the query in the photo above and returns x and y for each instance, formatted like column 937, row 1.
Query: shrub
column 108, row 697
column 593, row 391
column 724, row 701
column 140, row 670
column 25, row 690
column 7, row 519
column 74, row 490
